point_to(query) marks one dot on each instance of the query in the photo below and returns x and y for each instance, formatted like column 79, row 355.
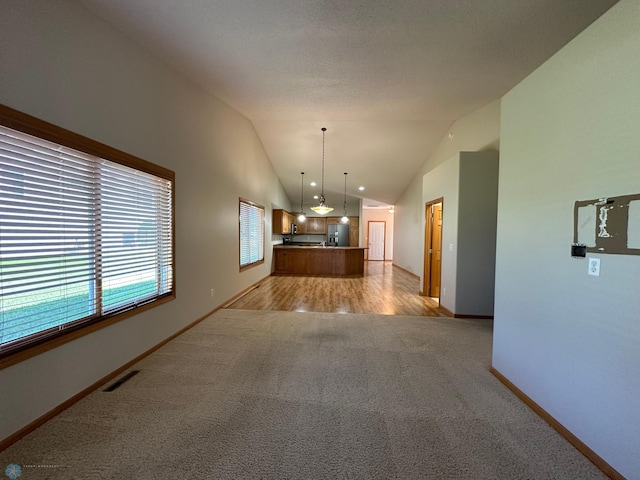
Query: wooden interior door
column 436, row 250
column 432, row 248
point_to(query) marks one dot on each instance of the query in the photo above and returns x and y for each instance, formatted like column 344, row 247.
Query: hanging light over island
column 344, row 218
column 301, row 216
column 322, row 208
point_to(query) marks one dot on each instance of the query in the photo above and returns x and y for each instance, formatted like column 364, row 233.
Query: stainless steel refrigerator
column 338, row 235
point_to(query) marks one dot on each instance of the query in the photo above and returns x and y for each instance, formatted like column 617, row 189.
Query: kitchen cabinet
column 354, row 231
column 281, row 221
column 313, row 225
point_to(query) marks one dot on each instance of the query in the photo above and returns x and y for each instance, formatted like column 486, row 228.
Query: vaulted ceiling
column 387, row 78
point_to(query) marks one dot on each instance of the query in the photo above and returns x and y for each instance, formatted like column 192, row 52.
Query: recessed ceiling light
column 361, row 188
column 315, row 197
column 313, row 184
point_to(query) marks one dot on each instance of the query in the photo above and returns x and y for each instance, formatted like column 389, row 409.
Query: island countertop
column 327, row 247
column 316, row 260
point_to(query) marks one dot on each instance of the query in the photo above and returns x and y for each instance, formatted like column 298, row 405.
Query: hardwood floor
column 384, row 289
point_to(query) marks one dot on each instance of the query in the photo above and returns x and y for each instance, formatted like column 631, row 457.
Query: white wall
column 571, row 342
column 477, row 131
column 64, row 65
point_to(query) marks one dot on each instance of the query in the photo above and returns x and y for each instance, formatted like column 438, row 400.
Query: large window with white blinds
column 83, row 238
column 251, row 234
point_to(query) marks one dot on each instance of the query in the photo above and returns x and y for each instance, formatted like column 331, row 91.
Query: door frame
column 428, row 228
column 384, row 239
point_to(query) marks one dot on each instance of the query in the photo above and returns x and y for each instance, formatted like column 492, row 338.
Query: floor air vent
column 120, row 381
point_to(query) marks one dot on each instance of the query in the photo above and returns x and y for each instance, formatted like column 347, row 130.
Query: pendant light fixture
column 344, row 218
column 301, row 217
column 322, row 209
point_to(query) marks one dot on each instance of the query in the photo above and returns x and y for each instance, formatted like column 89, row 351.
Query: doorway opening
column 432, row 249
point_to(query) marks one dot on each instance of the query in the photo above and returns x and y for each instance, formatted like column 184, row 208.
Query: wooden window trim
column 28, row 124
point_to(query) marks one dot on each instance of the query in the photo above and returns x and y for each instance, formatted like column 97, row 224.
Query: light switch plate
column 594, row 267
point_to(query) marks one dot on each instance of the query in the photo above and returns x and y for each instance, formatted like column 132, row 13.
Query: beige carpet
column 286, row 395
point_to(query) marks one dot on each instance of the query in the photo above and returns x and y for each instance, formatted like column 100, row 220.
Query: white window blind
column 81, row 238
column 251, row 233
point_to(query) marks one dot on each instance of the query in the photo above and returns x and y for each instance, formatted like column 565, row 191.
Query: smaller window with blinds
column 86, row 234
column 251, row 234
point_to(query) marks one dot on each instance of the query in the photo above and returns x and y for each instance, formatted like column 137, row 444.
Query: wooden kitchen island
column 318, row 261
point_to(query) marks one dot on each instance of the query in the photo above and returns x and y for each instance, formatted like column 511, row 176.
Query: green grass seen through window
column 47, row 310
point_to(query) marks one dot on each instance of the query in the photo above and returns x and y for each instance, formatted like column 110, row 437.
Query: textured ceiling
column 387, row 78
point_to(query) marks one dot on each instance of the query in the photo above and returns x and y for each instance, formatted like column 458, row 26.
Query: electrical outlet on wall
column 444, row 291
column 594, row 266
column 212, row 293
